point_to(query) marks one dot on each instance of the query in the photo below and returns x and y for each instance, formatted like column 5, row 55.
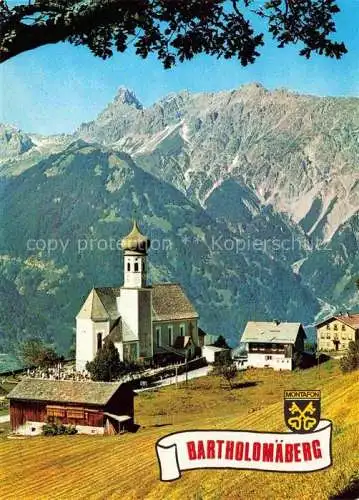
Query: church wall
column 195, row 331
column 128, row 308
column 145, row 322
column 86, row 340
column 119, row 347
column 84, row 343
column 176, row 328
column 100, row 327
column 136, row 311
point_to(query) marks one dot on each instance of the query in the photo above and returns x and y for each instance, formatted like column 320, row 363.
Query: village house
column 145, row 322
column 92, row 407
column 215, row 354
column 272, row 344
column 335, row 333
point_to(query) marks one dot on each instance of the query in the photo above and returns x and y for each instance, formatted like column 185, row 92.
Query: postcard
column 179, row 241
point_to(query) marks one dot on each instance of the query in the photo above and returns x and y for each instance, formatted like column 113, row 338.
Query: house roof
column 64, row 391
column 182, row 342
column 169, row 302
column 262, row 331
column 213, row 348
column 201, row 333
column 348, row 319
column 210, row 339
column 100, row 305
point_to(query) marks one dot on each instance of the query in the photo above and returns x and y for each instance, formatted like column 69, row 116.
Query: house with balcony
column 336, row 332
column 272, row 344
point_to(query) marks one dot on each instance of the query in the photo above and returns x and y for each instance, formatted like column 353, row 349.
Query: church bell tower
column 135, row 247
column 135, row 300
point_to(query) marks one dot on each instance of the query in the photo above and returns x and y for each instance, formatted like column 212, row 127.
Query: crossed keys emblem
column 302, row 421
column 302, row 410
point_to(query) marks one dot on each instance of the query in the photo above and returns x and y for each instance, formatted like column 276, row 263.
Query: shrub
column 106, row 365
column 226, row 369
column 298, row 360
column 350, row 360
column 55, row 429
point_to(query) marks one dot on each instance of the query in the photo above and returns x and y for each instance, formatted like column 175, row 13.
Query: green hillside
column 81, row 202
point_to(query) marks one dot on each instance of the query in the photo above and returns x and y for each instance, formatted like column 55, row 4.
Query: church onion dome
column 135, row 241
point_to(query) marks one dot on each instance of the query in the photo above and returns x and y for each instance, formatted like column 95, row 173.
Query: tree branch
column 173, row 29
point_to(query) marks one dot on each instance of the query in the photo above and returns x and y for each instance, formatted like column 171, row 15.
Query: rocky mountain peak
column 253, row 87
column 128, row 97
column 13, row 142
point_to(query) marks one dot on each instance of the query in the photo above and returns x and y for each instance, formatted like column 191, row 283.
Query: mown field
column 125, row 467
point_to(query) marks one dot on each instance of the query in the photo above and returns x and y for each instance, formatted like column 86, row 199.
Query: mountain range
column 250, row 196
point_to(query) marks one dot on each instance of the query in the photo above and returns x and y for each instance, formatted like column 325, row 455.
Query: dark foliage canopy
column 106, row 365
column 35, row 352
column 174, row 30
column 221, row 342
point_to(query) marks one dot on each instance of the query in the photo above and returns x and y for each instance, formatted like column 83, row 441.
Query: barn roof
column 268, row 332
column 169, row 302
column 348, row 319
column 64, row 391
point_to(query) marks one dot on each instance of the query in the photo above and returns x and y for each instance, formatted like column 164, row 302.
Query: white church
column 143, row 321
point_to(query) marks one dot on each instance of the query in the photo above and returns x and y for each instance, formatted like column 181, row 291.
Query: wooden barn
column 93, row 407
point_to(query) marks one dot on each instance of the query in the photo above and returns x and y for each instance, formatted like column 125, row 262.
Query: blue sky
column 55, row 88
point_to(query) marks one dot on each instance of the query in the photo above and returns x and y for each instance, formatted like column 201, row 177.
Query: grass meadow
column 125, row 466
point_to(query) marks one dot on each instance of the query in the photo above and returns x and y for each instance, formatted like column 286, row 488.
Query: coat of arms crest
column 302, row 410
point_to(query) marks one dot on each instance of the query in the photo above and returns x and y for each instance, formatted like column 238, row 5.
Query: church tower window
column 136, row 267
column 128, row 266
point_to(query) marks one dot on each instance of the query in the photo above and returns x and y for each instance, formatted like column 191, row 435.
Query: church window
column 99, row 341
column 170, row 332
column 158, row 335
column 136, row 267
column 182, row 330
column 128, row 266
